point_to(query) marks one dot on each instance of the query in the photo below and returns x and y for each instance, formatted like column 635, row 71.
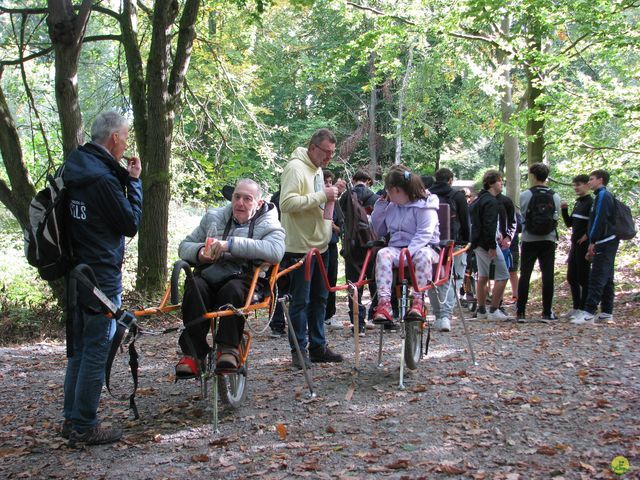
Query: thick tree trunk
column 373, row 105
column 164, row 81
column 17, row 197
column 403, row 90
column 511, row 147
column 66, row 30
column 535, row 122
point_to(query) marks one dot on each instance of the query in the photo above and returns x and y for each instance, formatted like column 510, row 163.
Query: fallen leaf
column 282, row 430
column 545, row 450
column 400, row 464
column 200, row 458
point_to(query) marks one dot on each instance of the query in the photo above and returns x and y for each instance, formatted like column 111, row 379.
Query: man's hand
column 582, row 239
column 215, row 251
column 505, row 243
column 336, row 228
column 492, row 253
column 564, row 205
column 341, row 185
column 134, row 167
column 591, row 252
column 331, row 193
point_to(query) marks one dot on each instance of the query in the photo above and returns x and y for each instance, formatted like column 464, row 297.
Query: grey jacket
column 267, row 243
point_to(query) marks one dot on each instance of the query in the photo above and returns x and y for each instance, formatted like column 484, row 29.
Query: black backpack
column 47, row 245
column 541, row 216
column 454, row 222
column 357, row 229
column 624, row 228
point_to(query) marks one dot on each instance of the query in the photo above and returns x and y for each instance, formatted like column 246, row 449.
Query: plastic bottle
column 212, row 233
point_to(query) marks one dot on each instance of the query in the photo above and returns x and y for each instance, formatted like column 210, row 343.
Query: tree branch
column 481, row 38
column 18, row 61
column 24, row 11
column 381, row 13
column 615, row 149
column 186, row 35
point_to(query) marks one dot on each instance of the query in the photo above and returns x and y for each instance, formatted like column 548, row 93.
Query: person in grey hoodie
column 246, row 232
column 540, row 247
column 409, row 214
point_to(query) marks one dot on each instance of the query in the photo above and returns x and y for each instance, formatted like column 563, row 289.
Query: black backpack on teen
column 454, row 221
column 357, row 230
column 541, row 217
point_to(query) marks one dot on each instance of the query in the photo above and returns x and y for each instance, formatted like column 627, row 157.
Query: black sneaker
column 65, row 429
column 97, row 435
column 277, row 333
column 324, row 355
column 296, row 361
column 520, row 318
column 552, row 317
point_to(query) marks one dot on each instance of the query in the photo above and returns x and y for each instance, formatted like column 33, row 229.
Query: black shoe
column 520, row 317
column 324, row 355
column 65, row 429
column 552, row 317
column 277, row 333
column 97, row 435
column 296, row 361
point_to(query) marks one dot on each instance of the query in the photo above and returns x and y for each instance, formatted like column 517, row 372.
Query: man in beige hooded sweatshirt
column 302, row 201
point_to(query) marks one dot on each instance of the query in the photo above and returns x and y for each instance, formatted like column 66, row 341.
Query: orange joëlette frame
column 268, row 302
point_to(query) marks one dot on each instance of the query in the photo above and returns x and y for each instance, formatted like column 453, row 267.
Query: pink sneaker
column 416, row 313
column 382, row 314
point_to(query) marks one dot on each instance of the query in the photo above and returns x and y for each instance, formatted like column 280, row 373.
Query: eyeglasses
column 329, row 153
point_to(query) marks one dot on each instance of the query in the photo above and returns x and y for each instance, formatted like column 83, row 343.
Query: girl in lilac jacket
column 409, row 214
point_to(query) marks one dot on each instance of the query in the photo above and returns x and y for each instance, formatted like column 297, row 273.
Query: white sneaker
column 334, row 323
column 571, row 313
column 442, row 325
column 497, row 316
column 582, row 318
column 603, row 318
column 481, row 315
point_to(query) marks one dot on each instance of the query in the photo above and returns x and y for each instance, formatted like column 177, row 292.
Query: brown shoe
column 97, row 435
column 228, row 358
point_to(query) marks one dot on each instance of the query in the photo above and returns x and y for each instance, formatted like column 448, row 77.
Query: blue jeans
column 442, row 298
column 86, row 368
column 601, row 278
column 307, row 306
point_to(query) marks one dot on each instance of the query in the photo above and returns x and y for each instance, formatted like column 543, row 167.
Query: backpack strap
column 126, row 328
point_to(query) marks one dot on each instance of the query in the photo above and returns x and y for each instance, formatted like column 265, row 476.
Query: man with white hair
column 225, row 248
column 105, row 205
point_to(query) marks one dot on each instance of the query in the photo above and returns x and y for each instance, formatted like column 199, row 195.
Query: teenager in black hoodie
column 578, row 266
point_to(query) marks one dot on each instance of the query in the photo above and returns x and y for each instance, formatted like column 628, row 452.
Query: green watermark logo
column 620, row 465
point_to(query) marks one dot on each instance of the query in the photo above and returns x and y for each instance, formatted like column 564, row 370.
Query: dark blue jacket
column 601, row 217
column 105, row 205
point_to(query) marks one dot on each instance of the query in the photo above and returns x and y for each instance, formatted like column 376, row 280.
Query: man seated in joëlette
column 242, row 235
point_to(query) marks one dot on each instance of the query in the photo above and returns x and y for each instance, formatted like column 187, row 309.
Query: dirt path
column 544, row 401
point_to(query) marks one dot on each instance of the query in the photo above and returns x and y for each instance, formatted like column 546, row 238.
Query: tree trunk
column 511, row 147
column 535, row 122
column 373, row 103
column 17, row 197
column 156, row 102
column 66, row 30
column 403, row 90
